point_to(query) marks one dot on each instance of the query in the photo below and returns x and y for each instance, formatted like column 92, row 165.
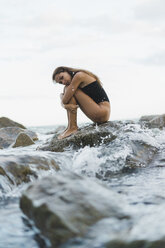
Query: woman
column 82, row 89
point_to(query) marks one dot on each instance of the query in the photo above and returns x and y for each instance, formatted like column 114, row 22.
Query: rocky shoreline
column 65, row 205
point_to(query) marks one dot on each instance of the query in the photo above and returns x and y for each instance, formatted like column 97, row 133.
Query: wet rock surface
column 136, row 244
column 20, row 168
column 97, row 135
column 154, row 121
column 66, row 205
column 147, row 117
column 142, row 155
column 92, row 135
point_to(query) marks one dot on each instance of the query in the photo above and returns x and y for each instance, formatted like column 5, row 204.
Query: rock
column 157, row 122
column 21, row 168
column 148, row 117
column 92, row 135
column 8, row 135
column 66, row 205
column 136, row 244
column 147, row 231
column 6, row 122
column 23, row 140
column 154, row 121
column 142, row 154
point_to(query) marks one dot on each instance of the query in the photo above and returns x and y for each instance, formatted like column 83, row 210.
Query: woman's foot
column 67, row 133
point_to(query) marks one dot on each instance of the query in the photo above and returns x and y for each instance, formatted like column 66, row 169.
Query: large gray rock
column 6, row 122
column 66, row 205
column 8, row 135
column 92, row 135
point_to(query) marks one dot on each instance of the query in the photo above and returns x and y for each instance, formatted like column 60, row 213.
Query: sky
column 122, row 42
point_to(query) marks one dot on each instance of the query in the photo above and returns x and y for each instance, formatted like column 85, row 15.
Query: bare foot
column 67, row 133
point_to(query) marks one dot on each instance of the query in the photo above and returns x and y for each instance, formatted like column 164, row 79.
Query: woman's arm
column 71, row 89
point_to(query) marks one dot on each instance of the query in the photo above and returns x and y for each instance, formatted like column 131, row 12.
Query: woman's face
column 63, row 78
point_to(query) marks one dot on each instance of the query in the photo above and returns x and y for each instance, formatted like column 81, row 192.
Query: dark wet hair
column 72, row 72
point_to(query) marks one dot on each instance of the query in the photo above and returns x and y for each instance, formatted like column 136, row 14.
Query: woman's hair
column 72, row 72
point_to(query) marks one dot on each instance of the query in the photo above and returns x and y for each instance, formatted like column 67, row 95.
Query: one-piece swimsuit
column 96, row 92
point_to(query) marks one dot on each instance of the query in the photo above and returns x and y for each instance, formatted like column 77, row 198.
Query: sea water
column 143, row 188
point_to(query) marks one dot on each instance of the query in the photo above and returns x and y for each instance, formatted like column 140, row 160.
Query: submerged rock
column 66, row 205
column 20, row 168
column 142, row 154
column 8, row 136
column 92, row 135
column 6, row 122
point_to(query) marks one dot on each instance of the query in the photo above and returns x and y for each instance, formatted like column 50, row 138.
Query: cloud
column 150, row 10
column 157, row 59
column 105, row 23
column 149, row 17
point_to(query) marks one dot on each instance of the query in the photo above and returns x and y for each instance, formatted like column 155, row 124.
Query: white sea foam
column 87, row 161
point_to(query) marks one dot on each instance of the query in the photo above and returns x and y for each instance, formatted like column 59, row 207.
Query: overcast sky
column 123, row 42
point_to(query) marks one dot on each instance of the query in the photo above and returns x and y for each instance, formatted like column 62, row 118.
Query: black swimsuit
column 96, row 92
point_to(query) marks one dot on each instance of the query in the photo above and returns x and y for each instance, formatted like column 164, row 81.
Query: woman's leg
column 98, row 113
column 71, row 108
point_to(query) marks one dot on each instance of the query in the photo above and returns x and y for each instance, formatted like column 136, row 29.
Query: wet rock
column 157, row 122
column 21, row 168
column 9, row 135
column 148, row 117
column 154, row 121
column 6, row 122
column 147, row 231
column 142, row 155
column 66, row 205
column 23, row 140
column 140, row 231
column 136, row 244
column 92, row 135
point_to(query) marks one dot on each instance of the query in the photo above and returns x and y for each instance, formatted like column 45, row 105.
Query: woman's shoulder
column 80, row 75
column 84, row 77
